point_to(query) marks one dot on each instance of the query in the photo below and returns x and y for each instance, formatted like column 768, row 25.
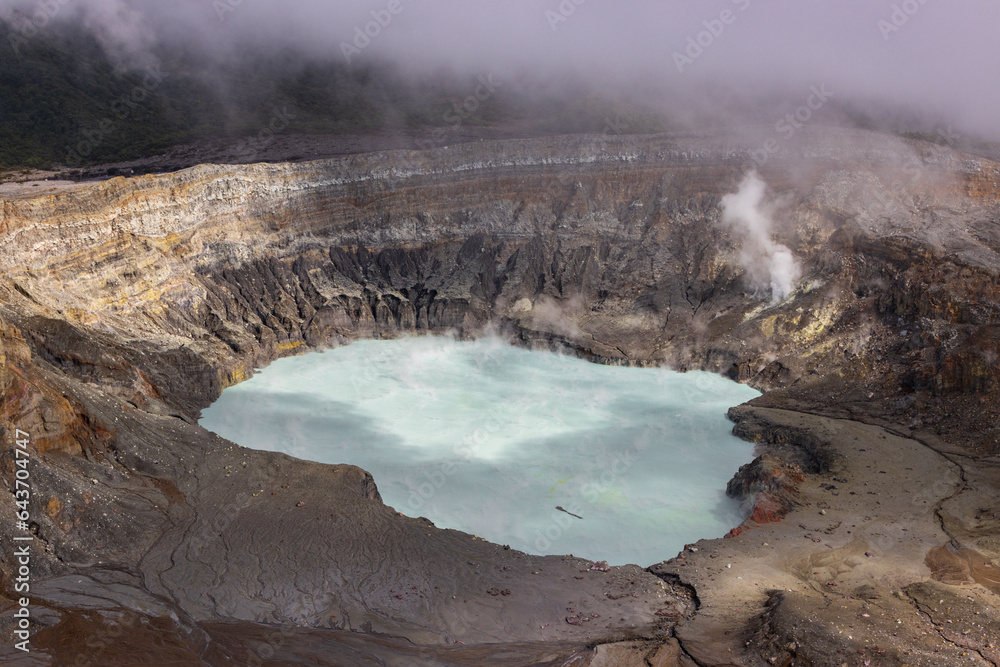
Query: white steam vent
column 770, row 265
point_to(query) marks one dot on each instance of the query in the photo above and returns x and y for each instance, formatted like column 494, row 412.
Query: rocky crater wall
column 126, row 307
column 611, row 246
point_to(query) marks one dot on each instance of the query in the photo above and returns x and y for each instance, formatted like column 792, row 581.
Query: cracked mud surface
column 127, row 306
column 837, row 577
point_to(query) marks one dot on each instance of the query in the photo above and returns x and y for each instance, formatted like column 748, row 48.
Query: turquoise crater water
column 492, row 439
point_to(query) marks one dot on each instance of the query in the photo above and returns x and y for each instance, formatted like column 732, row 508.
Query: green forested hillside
column 64, row 102
column 60, row 96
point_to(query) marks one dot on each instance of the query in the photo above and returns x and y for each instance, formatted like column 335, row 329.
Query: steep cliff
column 128, row 305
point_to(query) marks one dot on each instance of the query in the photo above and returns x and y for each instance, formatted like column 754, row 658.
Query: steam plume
column 769, row 264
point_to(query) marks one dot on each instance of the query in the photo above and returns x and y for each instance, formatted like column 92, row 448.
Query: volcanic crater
column 128, row 305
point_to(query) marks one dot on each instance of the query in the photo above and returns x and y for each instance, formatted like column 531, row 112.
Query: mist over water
column 490, row 439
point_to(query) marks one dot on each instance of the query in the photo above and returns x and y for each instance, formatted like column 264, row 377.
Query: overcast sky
column 931, row 55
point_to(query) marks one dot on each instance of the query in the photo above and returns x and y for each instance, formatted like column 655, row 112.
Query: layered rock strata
column 128, row 306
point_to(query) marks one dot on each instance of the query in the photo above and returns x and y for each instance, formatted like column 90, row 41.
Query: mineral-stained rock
column 768, row 487
column 128, row 305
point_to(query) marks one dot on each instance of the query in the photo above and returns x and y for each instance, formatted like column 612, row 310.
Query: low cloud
column 928, row 55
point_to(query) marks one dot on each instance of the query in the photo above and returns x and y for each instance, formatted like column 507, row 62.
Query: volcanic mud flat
column 851, row 573
column 127, row 306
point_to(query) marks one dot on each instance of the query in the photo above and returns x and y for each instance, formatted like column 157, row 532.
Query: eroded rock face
column 128, row 306
column 769, row 488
